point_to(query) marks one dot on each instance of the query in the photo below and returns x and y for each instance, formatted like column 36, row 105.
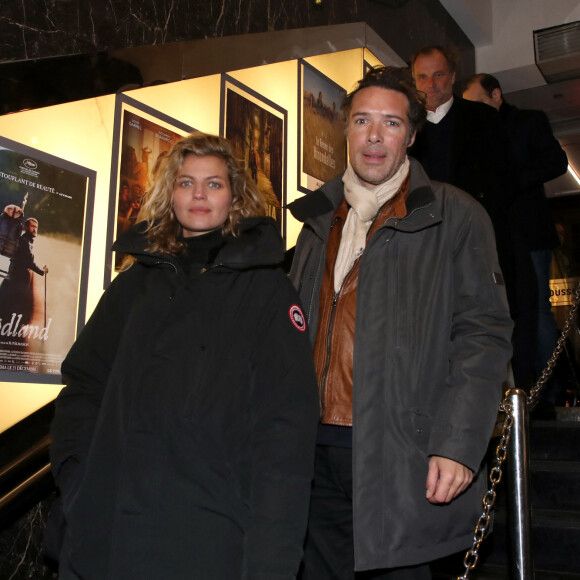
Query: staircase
column 555, row 497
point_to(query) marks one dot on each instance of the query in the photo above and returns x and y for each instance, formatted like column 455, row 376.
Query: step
column 556, row 537
column 554, row 440
column 567, row 413
column 556, row 540
column 490, row 572
column 555, row 484
column 451, row 568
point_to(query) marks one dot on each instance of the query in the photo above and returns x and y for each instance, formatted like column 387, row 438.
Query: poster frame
column 85, row 252
column 124, row 103
column 302, row 176
column 229, row 82
column 367, row 67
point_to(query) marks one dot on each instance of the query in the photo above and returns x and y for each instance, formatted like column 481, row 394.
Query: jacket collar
column 423, row 209
column 258, row 245
column 506, row 110
column 317, row 208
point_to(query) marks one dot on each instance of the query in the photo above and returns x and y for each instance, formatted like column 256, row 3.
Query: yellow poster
column 562, row 291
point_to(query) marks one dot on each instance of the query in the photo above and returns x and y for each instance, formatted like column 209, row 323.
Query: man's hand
column 446, row 479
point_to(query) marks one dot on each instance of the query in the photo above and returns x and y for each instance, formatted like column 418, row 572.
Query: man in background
column 539, row 158
column 464, row 143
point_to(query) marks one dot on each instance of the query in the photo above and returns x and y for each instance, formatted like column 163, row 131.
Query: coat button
column 203, row 270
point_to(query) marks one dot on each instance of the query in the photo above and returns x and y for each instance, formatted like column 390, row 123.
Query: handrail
column 21, row 461
column 24, row 480
column 24, row 486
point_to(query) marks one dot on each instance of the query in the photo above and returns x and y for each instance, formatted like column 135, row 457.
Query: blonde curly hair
column 163, row 231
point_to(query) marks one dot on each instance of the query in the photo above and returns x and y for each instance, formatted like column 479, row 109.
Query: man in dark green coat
column 408, row 316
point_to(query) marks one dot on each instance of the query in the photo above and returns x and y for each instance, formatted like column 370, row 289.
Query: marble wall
column 36, row 29
column 22, row 522
column 56, row 51
column 33, row 29
column 21, row 546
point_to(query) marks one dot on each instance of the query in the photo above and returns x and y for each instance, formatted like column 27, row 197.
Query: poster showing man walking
column 256, row 128
column 44, row 205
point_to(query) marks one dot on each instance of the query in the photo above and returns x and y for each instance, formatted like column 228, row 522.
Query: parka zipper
column 160, row 262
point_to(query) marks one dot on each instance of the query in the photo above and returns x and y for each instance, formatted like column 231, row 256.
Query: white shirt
column 437, row 115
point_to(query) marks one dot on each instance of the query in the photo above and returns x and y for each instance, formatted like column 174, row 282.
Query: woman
column 183, row 442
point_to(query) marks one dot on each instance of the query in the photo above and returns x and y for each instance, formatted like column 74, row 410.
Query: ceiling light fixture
column 574, row 174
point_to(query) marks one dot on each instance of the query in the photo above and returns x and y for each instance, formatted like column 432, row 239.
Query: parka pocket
column 421, row 426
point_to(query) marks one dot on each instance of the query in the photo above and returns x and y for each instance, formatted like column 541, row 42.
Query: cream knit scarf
column 364, row 206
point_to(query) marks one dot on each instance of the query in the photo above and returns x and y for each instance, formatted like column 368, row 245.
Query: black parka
column 183, row 441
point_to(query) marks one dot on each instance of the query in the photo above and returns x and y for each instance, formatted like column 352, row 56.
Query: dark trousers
column 329, row 547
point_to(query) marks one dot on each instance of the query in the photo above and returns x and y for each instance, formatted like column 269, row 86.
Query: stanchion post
column 519, row 506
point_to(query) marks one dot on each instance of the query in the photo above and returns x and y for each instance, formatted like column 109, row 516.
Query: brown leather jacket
column 333, row 349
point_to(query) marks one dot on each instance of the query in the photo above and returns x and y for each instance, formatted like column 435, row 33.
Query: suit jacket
column 479, row 155
column 479, row 161
column 539, row 158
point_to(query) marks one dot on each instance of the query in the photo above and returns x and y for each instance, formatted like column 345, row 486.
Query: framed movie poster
column 367, row 67
column 46, row 206
column 322, row 128
column 256, row 128
column 142, row 135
